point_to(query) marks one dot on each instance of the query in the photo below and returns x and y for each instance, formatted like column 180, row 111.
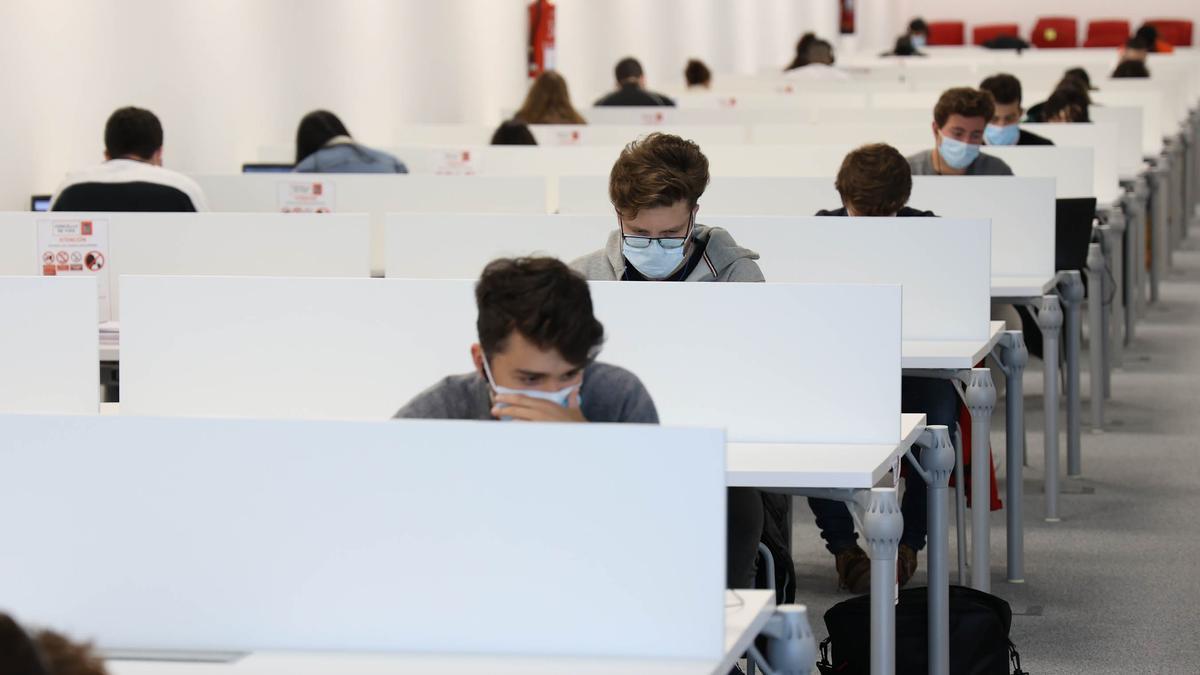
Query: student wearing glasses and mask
column 655, row 186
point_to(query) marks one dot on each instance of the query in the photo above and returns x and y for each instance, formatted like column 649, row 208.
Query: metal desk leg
column 937, row 460
column 980, row 396
column 1012, row 357
column 1070, row 289
column 1158, row 227
column 1050, row 320
column 882, row 526
column 1095, row 263
column 791, row 647
column 1116, row 261
column 1106, row 308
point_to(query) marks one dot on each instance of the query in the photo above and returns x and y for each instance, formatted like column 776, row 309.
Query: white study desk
column 1021, row 287
column 746, row 612
column 949, row 354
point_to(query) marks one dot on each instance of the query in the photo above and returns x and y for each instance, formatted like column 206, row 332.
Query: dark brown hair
column 132, row 132
column 963, row 101
column 44, row 652
column 542, row 299
column 875, row 180
column 1004, row 89
column 548, row 102
column 696, row 73
column 658, row 170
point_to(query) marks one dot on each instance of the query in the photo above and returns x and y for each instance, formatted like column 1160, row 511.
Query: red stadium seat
column 1178, row 32
column 944, row 33
column 1107, row 33
column 989, row 31
column 1056, row 32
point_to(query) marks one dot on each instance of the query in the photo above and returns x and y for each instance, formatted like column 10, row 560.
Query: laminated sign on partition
column 72, row 247
column 306, row 196
column 456, row 163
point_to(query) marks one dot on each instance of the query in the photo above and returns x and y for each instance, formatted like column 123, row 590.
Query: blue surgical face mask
column 1006, row 135
column 956, row 154
column 655, row 258
column 562, row 397
column 918, row 41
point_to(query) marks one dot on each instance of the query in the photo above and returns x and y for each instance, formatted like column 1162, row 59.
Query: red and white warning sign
column 456, row 163
column 567, row 137
column 67, row 247
column 306, row 196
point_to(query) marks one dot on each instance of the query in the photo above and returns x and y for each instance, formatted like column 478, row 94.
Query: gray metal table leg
column 1105, row 305
column 1050, row 320
column 1070, row 290
column 1096, row 285
column 1116, row 261
column 882, row 527
column 1158, row 226
column 980, row 395
column 791, row 647
column 937, row 460
column 1012, row 357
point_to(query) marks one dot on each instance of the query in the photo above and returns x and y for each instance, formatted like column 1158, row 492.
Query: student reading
column 655, row 186
column 959, row 119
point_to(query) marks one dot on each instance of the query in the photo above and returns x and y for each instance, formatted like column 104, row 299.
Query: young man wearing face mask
column 534, row 360
column 959, row 118
column 875, row 181
column 1005, row 127
column 655, row 187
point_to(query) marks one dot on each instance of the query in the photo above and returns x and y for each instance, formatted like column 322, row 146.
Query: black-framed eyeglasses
column 668, row 243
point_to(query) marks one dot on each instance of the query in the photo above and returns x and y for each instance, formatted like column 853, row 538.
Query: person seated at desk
column 1134, row 49
column 1075, row 85
column 548, row 102
column 875, row 180
column 323, row 145
column 918, row 33
column 959, row 118
column 818, row 63
column 655, row 187
column 1067, row 105
column 631, row 87
column 44, row 652
column 132, row 177
column 697, row 75
column 1149, row 35
column 1005, row 127
column 512, row 132
column 1130, row 69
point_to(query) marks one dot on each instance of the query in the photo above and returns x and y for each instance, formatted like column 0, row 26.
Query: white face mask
column 562, row 397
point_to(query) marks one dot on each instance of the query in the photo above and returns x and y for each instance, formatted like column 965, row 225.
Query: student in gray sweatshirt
column 959, row 120
column 655, row 186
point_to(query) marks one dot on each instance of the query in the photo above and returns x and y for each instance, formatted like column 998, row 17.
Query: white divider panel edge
column 18, row 244
column 361, row 348
column 366, row 536
column 50, row 348
column 1104, row 142
column 416, row 241
column 1072, row 168
column 943, row 264
column 621, row 134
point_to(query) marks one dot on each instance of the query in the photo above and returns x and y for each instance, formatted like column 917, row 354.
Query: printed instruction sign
column 566, row 137
column 306, row 196
column 456, row 163
column 71, row 247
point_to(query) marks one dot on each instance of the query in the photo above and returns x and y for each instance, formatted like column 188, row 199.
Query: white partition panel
column 49, row 347
column 416, row 241
column 510, row 160
column 18, row 245
column 1156, row 121
column 620, row 134
column 848, row 135
column 1071, row 168
column 943, row 264
column 251, row 535
column 1104, row 142
column 346, row 348
column 1129, row 122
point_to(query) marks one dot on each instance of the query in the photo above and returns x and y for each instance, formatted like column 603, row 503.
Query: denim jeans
column 938, row 400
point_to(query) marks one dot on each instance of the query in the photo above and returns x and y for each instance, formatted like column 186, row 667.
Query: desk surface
column 1020, row 287
column 745, row 615
column 817, row 465
column 949, row 354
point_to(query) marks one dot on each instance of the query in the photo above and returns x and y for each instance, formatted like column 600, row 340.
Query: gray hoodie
column 723, row 259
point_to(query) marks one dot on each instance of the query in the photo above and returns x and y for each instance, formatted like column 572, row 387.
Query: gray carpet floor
column 1115, row 586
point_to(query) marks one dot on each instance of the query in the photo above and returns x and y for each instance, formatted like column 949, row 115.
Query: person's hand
column 531, row 409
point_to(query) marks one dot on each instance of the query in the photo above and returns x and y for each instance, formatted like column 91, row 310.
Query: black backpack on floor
column 979, row 643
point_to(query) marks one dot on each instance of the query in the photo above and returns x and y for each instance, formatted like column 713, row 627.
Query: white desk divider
column 621, row 134
column 252, row 535
column 1102, row 138
column 50, row 346
column 415, row 249
column 349, row 348
column 942, row 263
column 911, row 135
column 1021, row 209
column 510, row 160
column 1071, row 168
column 257, row 244
column 1129, row 122
column 376, row 194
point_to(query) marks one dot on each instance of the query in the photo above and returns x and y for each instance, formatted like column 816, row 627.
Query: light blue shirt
column 349, row 157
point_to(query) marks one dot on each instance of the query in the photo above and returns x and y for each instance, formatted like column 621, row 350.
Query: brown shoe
column 854, row 570
column 906, row 564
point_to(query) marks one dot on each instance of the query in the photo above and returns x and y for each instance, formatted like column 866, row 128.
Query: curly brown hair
column 65, row 657
column 964, row 101
column 658, row 170
column 548, row 102
column 875, row 180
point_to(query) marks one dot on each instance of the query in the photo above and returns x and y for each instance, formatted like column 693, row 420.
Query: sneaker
column 854, row 570
column 906, row 564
